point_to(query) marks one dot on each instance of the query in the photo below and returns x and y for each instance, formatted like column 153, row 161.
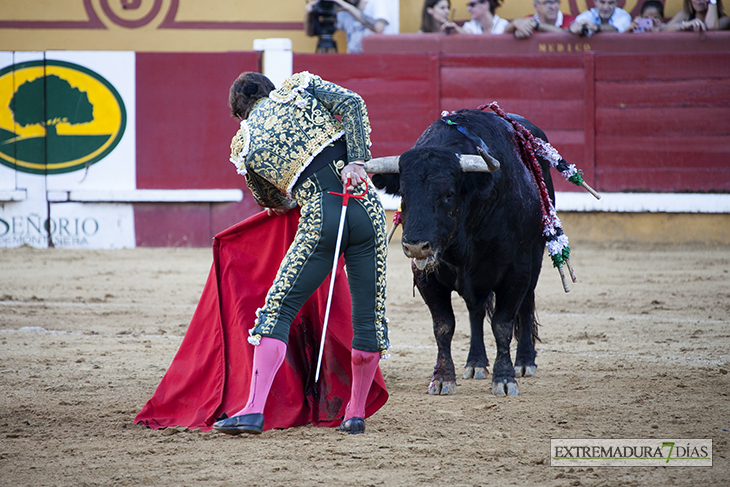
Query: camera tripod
column 326, row 44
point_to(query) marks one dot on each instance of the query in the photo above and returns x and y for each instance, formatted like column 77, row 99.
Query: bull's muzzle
column 422, row 254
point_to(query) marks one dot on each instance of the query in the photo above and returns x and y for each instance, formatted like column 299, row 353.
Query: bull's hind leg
column 503, row 374
column 509, row 297
column 526, row 333
column 477, row 361
column 438, row 300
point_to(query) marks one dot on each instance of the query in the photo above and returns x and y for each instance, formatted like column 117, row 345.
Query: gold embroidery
column 239, row 148
column 309, row 197
column 307, row 236
column 296, row 122
column 374, row 208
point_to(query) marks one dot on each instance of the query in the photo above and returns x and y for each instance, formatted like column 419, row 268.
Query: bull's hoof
column 475, row 372
column 525, row 370
column 505, row 387
column 442, row 387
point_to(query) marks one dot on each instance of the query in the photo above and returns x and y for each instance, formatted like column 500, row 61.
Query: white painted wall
column 76, row 225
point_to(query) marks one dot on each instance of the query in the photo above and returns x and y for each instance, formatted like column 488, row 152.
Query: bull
column 473, row 228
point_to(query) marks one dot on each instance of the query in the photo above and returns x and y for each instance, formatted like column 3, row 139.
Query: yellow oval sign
column 57, row 117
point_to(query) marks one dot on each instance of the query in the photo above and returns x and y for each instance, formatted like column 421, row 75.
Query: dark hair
column 248, row 88
column 428, row 24
column 653, row 4
column 687, row 6
column 493, row 4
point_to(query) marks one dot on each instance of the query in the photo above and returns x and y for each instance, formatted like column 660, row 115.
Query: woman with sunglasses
column 483, row 19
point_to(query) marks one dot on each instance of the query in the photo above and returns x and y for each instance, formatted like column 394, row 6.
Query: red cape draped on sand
column 211, row 371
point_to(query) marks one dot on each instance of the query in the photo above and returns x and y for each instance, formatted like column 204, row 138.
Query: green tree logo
column 68, row 105
column 57, row 117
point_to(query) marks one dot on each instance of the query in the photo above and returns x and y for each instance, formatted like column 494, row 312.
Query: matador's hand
column 276, row 211
column 355, row 173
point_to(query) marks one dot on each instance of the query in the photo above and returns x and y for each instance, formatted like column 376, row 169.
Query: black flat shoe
column 353, row 426
column 245, row 423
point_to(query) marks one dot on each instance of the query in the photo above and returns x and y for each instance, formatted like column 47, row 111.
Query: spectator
column 651, row 18
column 435, row 17
column 604, row 17
column 547, row 18
column 358, row 19
column 699, row 15
column 483, row 19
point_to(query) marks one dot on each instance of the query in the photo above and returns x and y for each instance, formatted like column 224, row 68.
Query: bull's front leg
column 444, row 375
column 438, row 300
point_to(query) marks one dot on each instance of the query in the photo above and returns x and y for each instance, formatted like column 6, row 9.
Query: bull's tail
column 531, row 324
column 526, row 324
column 490, row 306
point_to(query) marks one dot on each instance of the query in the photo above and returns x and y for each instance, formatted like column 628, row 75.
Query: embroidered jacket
column 285, row 131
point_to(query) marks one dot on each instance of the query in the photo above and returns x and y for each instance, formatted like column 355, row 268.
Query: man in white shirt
column 605, row 17
column 547, row 18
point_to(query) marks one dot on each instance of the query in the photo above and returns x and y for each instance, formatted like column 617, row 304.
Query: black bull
column 476, row 233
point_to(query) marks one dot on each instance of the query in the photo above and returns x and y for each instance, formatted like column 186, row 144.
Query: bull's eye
column 449, row 197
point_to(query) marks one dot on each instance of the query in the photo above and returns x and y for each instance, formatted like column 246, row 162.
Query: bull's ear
column 474, row 163
column 390, row 183
column 382, row 165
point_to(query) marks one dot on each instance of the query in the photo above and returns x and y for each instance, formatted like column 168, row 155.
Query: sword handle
column 346, row 195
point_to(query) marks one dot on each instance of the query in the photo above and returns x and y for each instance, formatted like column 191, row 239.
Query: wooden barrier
column 636, row 112
column 633, row 121
column 184, row 129
column 401, row 92
column 662, row 123
column 184, row 125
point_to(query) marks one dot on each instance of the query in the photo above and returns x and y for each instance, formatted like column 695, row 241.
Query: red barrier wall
column 636, row 112
column 547, row 90
column 401, row 92
column 184, row 125
column 184, row 129
column 663, row 122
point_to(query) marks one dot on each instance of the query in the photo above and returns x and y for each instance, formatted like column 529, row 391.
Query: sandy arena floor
column 638, row 349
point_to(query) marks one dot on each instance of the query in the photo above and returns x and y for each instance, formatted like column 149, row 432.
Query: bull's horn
column 473, row 163
column 382, row 165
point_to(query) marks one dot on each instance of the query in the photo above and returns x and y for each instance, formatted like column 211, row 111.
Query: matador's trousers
column 309, row 259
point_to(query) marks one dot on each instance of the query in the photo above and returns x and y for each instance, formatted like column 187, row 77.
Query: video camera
column 324, row 25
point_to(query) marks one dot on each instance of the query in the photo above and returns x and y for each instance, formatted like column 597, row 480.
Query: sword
column 345, row 198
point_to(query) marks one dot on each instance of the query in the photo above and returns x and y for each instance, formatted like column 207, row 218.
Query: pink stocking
column 364, row 365
column 267, row 358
